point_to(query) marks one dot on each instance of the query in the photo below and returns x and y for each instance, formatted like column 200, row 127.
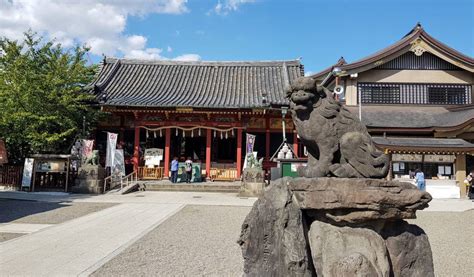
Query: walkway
column 80, row 246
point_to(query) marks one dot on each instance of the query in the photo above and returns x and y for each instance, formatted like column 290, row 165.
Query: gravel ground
column 9, row 236
column 199, row 240
column 451, row 236
column 19, row 211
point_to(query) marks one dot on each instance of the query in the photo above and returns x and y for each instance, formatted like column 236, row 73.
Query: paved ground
column 17, row 211
column 451, row 236
column 199, row 240
column 83, row 244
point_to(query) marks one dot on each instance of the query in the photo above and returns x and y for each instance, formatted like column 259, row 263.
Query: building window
column 381, row 94
column 446, row 95
column 409, row 93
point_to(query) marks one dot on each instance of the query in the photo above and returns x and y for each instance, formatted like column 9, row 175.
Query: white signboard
column 27, row 173
column 153, row 156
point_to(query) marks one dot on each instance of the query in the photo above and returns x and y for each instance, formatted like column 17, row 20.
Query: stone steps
column 200, row 187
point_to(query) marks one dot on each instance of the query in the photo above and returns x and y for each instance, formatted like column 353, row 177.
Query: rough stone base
column 409, row 249
column 251, row 189
column 273, row 238
column 90, row 179
column 346, row 251
column 357, row 229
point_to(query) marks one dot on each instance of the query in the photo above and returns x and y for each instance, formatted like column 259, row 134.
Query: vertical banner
column 3, row 153
column 87, row 146
column 111, row 145
column 119, row 163
column 27, row 173
column 250, row 141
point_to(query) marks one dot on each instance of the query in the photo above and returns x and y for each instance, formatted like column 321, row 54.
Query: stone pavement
column 80, row 246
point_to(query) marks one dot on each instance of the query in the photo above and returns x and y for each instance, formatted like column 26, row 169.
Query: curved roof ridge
column 203, row 63
column 418, row 32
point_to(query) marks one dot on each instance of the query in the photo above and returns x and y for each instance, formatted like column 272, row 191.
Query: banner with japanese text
column 111, row 146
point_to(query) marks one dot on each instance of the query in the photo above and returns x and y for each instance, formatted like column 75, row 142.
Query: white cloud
column 309, row 73
column 188, row 57
column 99, row 24
column 169, row 49
column 225, row 6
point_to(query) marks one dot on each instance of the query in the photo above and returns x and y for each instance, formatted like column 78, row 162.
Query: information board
column 27, row 173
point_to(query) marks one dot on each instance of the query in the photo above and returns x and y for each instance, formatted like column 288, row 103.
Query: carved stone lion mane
column 338, row 144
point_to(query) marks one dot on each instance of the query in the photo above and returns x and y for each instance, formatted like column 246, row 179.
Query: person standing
column 469, row 182
column 420, row 179
column 188, row 168
column 174, row 170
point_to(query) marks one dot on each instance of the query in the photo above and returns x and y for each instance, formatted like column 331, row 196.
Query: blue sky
column 318, row 31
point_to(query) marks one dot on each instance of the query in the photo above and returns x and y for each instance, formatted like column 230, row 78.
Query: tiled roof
column 413, row 117
column 124, row 82
column 428, row 143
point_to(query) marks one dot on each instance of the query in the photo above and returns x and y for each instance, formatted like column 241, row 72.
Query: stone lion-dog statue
column 338, row 144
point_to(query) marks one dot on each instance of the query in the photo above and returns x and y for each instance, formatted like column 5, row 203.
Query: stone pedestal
column 90, row 179
column 352, row 227
column 253, row 182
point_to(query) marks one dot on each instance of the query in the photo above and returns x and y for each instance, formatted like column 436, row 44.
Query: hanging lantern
column 161, row 133
column 184, row 133
column 221, row 135
column 232, row 131
column 199, row 132
column 146, row 133
column 192, row 133
column 154, row 134
column 226, row 135
column 215, row 133
column 176, row 131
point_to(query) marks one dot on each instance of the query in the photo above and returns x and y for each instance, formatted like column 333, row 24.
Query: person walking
column 174, row 170
column 420, row 179
column 188, row 167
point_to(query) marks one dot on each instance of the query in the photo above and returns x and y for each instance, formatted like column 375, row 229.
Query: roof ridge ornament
column 417, row 48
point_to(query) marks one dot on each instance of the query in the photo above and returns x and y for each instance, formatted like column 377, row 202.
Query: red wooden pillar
column 295, row 144
column 136, row 149
column 239, row 153
column 166, row 172
column 208, row 153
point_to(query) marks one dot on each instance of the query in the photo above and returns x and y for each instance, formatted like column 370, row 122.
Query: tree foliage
column 42, row 101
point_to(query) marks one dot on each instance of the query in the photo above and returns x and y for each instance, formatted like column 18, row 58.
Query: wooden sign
column 3, row 153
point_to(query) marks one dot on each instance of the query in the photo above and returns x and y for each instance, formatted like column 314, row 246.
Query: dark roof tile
column 198, row 84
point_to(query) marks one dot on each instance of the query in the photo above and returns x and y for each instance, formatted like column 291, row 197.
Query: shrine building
column 416, row 99
column 201, row 110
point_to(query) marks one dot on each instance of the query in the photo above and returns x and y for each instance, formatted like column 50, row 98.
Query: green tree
column 42, row 102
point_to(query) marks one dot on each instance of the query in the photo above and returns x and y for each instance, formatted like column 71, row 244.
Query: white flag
column 111, row 145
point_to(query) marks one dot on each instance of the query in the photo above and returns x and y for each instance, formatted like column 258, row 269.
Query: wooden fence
column 10, row 175
column 152, row 173
column 223, row 174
